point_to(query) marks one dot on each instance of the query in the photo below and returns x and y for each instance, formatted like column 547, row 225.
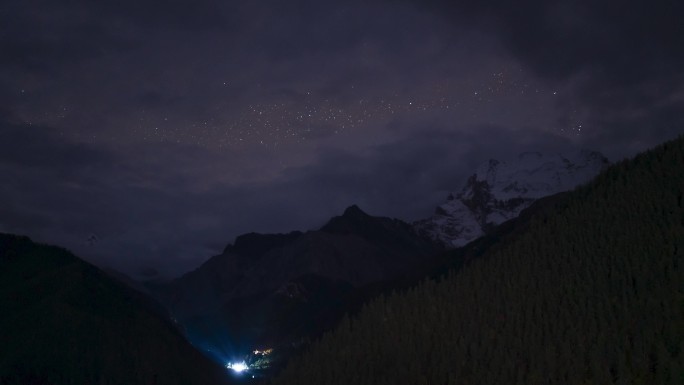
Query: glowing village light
column 238, row 367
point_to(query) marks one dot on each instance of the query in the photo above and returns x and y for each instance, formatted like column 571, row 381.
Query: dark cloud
column 621, row 43
column 38, row 146
column 42, row 37
column 176, row 14
column 619, row 56
column 45, row 37
column 141, row 121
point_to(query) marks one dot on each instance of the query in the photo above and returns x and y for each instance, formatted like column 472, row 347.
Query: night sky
column 166, row 128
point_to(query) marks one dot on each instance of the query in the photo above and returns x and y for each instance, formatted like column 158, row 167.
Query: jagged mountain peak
column 376, row 229
column 355, row 247
column 499, row 189
column 354, row 211
column 257, row 244
column 352, row 220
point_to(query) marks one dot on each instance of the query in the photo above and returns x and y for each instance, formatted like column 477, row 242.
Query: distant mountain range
column 500, row 190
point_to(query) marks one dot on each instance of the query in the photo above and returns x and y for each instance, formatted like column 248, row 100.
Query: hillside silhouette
column 63, row 321
column 589, row 292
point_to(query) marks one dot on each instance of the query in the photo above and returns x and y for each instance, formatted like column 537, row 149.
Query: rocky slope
column 264, row 286
column 500, row 190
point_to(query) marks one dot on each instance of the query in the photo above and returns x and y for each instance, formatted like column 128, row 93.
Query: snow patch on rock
column 500, row 190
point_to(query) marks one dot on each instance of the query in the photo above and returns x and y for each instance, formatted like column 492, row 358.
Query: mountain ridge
column 499, row 190
column 262, row 275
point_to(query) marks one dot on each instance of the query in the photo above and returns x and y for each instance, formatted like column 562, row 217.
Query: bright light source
column 238, row 367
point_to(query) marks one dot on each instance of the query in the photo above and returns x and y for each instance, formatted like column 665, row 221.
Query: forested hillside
column 63, row 321
column 591, row 292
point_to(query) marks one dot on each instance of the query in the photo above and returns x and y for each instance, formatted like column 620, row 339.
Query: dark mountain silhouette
column 272, row 288
column 586, row 289
column 63, row 321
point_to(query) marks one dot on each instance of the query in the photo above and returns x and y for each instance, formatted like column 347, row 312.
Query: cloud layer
column 168, row 128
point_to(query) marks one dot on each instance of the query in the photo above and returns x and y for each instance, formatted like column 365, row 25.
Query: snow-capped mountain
column 500, row 190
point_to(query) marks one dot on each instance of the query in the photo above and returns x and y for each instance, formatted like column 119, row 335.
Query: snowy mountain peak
column 500, row 190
